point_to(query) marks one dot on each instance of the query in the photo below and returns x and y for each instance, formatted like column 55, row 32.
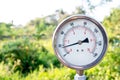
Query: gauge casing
column 59, row 43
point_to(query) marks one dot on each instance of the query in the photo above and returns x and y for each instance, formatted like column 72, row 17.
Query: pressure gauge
column 80, row 42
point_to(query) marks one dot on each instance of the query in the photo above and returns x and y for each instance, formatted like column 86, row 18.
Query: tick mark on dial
column 92, row 40
column 99, row 43
column 59, row 45
column 85, row 31
column 85, row 23
column 72, row 24
column 66, row 41
column 89, row 50
column 65, row 54
column 73, row 32
column 62, row 32
column 68, row 50
column 95, row 54
column 95, row 30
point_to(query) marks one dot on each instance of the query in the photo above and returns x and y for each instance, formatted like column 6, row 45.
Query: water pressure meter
column 80, row 42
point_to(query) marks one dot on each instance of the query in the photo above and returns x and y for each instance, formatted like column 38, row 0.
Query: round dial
column 80, row 42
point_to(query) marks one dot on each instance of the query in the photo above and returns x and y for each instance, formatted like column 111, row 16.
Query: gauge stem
column 79, row 75
column 80, row 72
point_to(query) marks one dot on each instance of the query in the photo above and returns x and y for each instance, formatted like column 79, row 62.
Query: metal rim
column 74, row 17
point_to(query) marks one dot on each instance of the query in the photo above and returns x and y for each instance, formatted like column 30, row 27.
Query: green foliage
column 25, row 56
column 20, row 55
column 42, row 74
column 112, row 24
column 108, row 69
column 42, row 28
column 4, row 29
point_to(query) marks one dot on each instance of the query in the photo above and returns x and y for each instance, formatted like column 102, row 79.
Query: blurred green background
column 26, row 52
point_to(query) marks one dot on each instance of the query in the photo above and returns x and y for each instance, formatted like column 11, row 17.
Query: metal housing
column 74, row 17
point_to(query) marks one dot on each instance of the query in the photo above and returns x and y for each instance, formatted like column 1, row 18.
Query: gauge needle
column 86, row 40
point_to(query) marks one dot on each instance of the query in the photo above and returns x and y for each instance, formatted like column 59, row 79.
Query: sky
column 22, row 11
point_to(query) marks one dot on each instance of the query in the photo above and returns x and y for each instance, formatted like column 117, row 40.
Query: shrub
column 108, row 69
column 24, row 55
column 20, row 55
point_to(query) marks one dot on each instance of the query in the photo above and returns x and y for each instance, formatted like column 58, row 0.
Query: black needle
column 79, row 42
column 85, row 40
column 71, row 44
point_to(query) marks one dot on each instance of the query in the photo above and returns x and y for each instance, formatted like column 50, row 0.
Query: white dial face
column 79, row 42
